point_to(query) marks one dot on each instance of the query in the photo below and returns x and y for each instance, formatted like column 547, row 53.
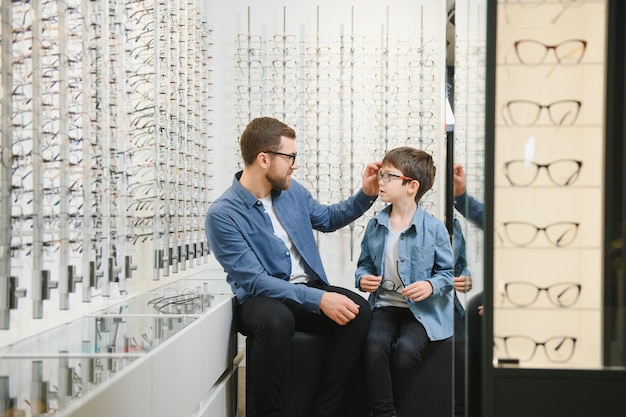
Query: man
column 467, row 205
column 261, row 232
column 473, row 210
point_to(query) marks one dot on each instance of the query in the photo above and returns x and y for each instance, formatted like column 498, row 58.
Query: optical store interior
column 121, row 123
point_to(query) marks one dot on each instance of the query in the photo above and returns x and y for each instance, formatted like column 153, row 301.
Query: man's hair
column 262, row 134
column 413, row 163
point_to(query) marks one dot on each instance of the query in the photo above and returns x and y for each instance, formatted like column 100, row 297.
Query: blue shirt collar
column 418, row 218
column 249, row 199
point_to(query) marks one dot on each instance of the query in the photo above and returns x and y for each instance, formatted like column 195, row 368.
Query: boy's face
column 392, row 186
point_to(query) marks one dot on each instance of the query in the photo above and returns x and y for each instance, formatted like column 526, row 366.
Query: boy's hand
column 418, row 291
column 370, row 283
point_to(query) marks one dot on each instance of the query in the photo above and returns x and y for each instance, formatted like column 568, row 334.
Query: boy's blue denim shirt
column 257, row 263
column 424, row 253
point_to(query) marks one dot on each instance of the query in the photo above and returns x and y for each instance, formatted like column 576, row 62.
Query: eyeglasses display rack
column 549, row 136
column 106, row 143
column 350, row 94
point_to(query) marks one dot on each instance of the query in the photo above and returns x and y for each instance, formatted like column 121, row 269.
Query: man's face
column 282, row 164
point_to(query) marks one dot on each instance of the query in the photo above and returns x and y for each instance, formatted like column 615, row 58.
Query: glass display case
column 47, row 373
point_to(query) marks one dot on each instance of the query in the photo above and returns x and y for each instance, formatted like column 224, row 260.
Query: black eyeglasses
column 524, row 294
column 526, row 112
column 557, row 348
column 562, row 172
column 559, row 234
column 288, row 155
column 388, row 176
column 390, row 285
column 534, row 52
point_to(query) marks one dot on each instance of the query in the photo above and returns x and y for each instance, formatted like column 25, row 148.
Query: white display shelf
column 161, row 353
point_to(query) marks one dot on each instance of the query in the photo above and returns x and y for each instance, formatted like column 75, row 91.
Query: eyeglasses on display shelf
column 80, row 117
column 557, row 349
column 561, row 172
column 528, row 112
column 421, row 104
column 535, row 52
column 422, row 65
column 525, row 294
column 558, row 234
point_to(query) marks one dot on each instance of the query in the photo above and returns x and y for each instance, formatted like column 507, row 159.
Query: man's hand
column 418, row 291
column 459, row 180
column 370, row 283
column 338, row 308
column 370, row 179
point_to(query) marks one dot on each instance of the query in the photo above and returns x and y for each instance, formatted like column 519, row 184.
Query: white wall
column 398, row 21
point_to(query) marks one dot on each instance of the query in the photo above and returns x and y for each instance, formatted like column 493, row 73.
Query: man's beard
column 278, row 183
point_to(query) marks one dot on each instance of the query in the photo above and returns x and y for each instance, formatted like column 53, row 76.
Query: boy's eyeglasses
column 388, row 176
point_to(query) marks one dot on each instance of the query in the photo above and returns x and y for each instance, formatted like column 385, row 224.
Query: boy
column 407, row 264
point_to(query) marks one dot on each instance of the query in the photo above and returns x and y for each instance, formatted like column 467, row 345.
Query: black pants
column 393, row 355
column 459, row 364
column 272, row 323
column 474, row 356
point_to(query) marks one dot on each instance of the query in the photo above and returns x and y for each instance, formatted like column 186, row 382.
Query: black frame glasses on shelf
column 527, row 112
column 525, row 294
column 559, row 234
column 558, row 349
column 535, row 52
column 562, row 172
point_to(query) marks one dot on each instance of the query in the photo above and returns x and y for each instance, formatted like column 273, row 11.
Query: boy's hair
column 413, row 163
column 262, row 134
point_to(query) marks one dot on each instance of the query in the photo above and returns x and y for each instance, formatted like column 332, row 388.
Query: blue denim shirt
column 470, row 208
column 424, row 253
column 256, row 261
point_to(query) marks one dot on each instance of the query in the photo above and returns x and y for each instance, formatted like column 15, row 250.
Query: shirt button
column 401, row 237
column 287, row 253
column 401, row 259
column 258, row 203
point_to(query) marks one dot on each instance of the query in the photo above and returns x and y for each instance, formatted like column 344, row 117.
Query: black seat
column 303, row 378
column 430, row 395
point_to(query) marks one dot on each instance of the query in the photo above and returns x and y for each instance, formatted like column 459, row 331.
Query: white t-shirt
column 298, row 275
column 391, row 285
